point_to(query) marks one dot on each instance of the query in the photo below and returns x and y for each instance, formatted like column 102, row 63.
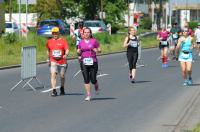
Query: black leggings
column 89, row 72
column 132, row 59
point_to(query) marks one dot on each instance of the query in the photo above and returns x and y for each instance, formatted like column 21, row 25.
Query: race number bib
column 175, row 36
column 88, row 61
column 57, row 53
column 185, row 56
column 163, row 42
column 133, row 43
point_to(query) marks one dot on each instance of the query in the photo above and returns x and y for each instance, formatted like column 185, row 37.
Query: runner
column 87, row 49
column 131, row 43
column 186, row 27
column 163, row 45
column 197, row 35
column 57, row 51
column 184, row 50
column 175, row 31
column 78, row 34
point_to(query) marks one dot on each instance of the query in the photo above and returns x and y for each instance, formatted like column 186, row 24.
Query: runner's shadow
column 195, row 85
column 75, row 94
column 142, row 81
column 108, row 98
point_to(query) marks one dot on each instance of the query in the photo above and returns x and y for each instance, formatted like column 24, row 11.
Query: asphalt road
column 157, row 102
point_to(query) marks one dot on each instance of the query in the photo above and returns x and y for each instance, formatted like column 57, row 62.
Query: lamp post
column 101, row 10
column 128, row 15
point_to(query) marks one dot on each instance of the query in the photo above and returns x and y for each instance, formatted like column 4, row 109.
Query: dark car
column 44, row 27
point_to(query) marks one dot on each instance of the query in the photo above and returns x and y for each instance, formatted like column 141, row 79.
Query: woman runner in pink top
column 163, row 45
column 87, row 49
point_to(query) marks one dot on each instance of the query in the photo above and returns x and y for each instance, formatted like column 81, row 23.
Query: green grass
column 10, row 53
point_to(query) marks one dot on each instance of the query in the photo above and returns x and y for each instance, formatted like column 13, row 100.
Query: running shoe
column 185, row 83
column 88, row 98
column 62, row 91
column 190, row 82
column 54, row 93
column 133, row 81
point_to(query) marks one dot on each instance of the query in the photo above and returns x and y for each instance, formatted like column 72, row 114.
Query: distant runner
column 175, row 31
column 184, row 52
column 131, row 42
column 163, row 45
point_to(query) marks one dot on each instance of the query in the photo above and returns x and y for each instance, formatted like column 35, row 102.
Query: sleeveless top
column 133, row 46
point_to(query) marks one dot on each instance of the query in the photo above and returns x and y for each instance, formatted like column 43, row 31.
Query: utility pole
column 159, row 18
column 10, row 10
column 101, row 9
column 128, row 15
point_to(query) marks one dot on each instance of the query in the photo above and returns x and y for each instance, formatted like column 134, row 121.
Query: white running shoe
column 88, row 98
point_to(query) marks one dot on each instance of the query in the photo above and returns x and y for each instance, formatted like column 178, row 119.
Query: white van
column 11, row 27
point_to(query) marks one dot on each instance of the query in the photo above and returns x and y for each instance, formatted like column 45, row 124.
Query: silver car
column 97, row 26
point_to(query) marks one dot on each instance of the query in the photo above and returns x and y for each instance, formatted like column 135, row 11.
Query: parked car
column 12, row 27
column 44, row 27
column 97, row 26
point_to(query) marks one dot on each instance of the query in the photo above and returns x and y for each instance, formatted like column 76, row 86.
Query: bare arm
column 125, row 42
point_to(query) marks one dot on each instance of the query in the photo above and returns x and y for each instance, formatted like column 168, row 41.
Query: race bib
column 163, row 42
column 88, row 61
column 175, row 36
column 185, row 56
column 133, row 43
column 57, row 53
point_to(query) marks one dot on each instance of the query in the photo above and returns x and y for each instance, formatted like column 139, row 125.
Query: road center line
column 101, row 75
column 48, row 90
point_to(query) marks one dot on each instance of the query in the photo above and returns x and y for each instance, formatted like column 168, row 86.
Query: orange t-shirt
column 57, row 50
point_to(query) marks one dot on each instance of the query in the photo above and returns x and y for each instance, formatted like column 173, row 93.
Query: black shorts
column 163, row 46
column 89, row 72
column 198, row 42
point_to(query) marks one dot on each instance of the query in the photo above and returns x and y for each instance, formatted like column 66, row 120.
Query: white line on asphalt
column 101, row 75
column 48, row 90
column 1, row 107
column 76, row 73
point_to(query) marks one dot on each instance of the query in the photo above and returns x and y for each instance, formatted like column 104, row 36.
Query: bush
column 146, row 23
column 103, row 38
column 10, row 38
column 115, row 28
column 193, row 25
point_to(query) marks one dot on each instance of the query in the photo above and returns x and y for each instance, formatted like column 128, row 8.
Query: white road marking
column 76, row 73
column 1, row 107
column 48, row 90
column 101, row 75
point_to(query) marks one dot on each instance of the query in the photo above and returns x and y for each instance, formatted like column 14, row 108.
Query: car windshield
column 8, row 25
column 92, row 24
column 49, row 23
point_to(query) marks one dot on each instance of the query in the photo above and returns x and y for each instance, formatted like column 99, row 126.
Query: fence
column 28, row 67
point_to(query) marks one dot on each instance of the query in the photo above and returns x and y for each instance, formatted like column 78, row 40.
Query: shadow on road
column 108, row 98
column 76, row 94
column 142, row 81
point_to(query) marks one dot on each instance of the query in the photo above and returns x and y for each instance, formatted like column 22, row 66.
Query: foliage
column 193, row 25
column 146, row 23
column 10, row 38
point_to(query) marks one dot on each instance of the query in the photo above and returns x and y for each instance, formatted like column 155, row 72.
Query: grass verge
column 10, row 53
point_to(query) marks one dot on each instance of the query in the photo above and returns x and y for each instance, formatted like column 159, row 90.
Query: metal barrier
column 28, row 67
